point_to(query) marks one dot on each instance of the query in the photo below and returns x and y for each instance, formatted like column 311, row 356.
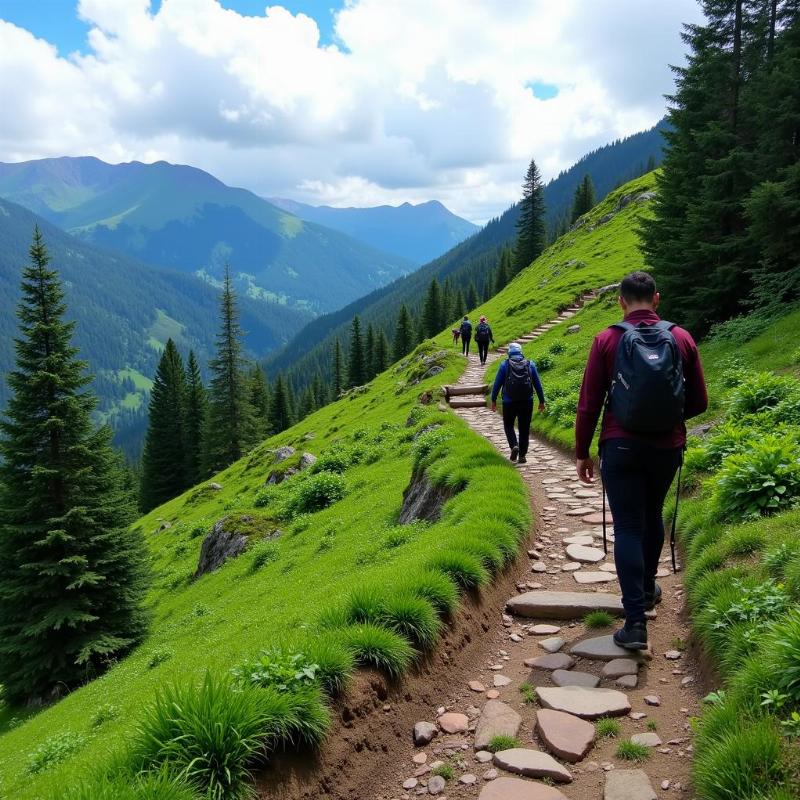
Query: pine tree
column 164, row 458
column 403, row 334
column 448, row 303
column 356, row 367
column 230, row 429
column 472, row 297
column 530, row 225
column 306, row 405
column 459, row 306
column 369, row 354
column 432, row 316
column 258, row 397
column 280, row 407
column 72, row 573
column 381, row 352
column 584, row 200
column 338, row 370
column 194, row 427
column 503, row 272
column 318, row 388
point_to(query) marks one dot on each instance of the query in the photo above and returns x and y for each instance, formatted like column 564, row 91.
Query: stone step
column 562, row 605
column 462, row 389
column 602, row 648
column 584, row 702
column 628, row 784
column 532, row 764
column 564, row 735
column 518, row 789
column 461, row 403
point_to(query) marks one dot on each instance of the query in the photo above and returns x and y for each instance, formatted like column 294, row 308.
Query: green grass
column 528, row 694
column 499, row 743
column 318, row 560
column 652, row 725
column 446, row 771
column 598, row 619
column 631, row 751
column 607, row 728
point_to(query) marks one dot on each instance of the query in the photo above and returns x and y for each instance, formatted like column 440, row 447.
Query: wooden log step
column 456, row 391
column 458, row 402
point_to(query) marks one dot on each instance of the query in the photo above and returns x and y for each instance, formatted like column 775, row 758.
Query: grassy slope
column 232, row 614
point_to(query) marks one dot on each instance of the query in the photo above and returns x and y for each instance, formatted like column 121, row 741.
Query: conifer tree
column 280, row 407
column 459, row 306
column 356, row 366
column 530, row 225
column 194, row 427
column 369, row 354
column 72, row 573
column 584, row 200
column 381, row 352
column 318, row 388
column 403, row 334
column 432, row 316
column 306, row 405
column 258, row 396
column 164, row 459
column 472, row 297
column 230, row 429
column 338, row 370
column 503, row 272
column 448, row 303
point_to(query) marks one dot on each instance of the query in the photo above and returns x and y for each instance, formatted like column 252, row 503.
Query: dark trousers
column 465, row 340
column 521, row 411
column 483, row 350
column 637, row 478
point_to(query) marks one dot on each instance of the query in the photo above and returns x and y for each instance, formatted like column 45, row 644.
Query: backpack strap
column 664, row 325
column 623, row 326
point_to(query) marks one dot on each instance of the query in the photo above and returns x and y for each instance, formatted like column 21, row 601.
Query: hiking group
column 644, row 377
column 483, row 337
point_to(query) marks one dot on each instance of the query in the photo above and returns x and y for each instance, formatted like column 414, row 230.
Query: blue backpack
column 647, row 389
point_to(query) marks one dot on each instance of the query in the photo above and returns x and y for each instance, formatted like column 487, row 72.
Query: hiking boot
column 632, row 637
column 522, row 460
column 514, row 453
column 652, row 600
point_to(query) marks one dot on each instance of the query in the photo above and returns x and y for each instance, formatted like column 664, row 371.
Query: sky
column 342, row 102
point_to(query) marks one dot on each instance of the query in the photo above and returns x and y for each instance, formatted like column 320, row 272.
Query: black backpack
column 466, row 328
column 482, row 333
column 647, row 389
column 518, row 384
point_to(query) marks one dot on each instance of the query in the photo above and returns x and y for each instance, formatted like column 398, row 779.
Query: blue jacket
column 500, row 379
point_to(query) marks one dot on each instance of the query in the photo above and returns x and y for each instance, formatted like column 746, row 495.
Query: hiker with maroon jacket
column 483, row 335
column 648, row 374
column 518, row 379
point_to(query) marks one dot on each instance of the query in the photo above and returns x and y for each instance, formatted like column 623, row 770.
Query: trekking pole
column 675, row 518
column 603, row 487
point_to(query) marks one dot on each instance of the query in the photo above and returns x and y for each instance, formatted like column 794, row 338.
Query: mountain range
column 416, row 233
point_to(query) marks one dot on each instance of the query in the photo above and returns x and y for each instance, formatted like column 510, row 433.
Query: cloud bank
column 416, row 100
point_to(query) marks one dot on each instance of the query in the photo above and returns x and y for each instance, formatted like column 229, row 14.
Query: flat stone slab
column 628, row 784
column 563, row 677
column 586, row 493
column 496, row 719
column 562, row 605
column 452, row 722
column 550, row 661
column 580, row 511
column 553, row 644
column 532, row 764
column 500, row 681
column 627, row 681
column 618, row 667
column 583, row 702
column 585, row 554
column 516, row 789
column 544, row 630
column 587, row 577
column 570, row 566
column 564, row 735
column 585, row 538
column 647, row 739
column 596, row 518
column 601, row 648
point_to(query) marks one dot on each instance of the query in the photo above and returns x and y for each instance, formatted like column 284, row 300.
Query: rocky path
column 547, row 678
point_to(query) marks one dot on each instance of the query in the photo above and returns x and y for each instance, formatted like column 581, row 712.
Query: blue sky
column 57, row 21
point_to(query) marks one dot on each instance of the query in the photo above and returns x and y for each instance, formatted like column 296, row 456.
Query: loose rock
column 497, row 719
column 553, row 644
column 436, row 785
column 561, row 677
column 453, row 722
column 550, row 661
column 628, row 784
column 601, row 648
column 647, row 739
column 619, row 667
column 564, row 735
column 652, row 700
column 424, row 733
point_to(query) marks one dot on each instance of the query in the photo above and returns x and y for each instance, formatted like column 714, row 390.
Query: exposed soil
column 369, row 752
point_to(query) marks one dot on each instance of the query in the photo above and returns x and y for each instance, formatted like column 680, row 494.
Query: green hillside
column 183, row 218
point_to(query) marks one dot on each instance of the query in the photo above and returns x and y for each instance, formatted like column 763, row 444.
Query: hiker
column 466, row 335
column 648, row 373
column 483, row 335
column 456, row 333
column 518, row 379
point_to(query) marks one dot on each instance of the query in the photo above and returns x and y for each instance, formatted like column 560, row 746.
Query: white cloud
column 423, row 99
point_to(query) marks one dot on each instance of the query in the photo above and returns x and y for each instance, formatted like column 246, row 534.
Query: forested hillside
column 184, row 218
column 418, row 233
column 125, row 311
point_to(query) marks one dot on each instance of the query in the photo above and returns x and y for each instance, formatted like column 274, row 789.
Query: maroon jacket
column 597, row 381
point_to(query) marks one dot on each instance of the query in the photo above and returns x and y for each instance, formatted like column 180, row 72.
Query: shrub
column 759, row 392
column 464, row 568
column 727, row 438
column 778, row 558
column 499, row 743
column 741, row 763
column 267, row 496
column 263, row 552
column 317, row 492
column 104, row 713
column 545, row 363
column 337, row 458
column 763, row 480
column 607, row 727
column 437, row 588
column 374, row 646
column 284, row 671
column 159, row 656
column 598, row 619
column 54, row 750
column 427, row 442
column 632, row 751
column 557, row 348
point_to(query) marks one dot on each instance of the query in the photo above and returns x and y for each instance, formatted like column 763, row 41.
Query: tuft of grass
column 499, row 743
column 528, row 693
column 158, row 657
column 374, row 646
column 445, row 771
column 414, row 618
column 335, row 662
column 607, row 727
column 652, row 725
column 631, row 751
column 161, row 785
column 437, row 588
column 464, row 568
column 598, row 619
column 104, row 713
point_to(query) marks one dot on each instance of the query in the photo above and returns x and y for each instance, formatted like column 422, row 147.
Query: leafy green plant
column 317, row 492
column 753, row 604
column 544, row 363
column 427, row 442
column 335, row 459
column 762, row 480
column 557, row 348
column 791, row 725
column 500, row 743
column 778, row 558
column 445, row 771
column 104, row 713
column 785, row 654
column 632, row 751
column 283, row 670
column 159, row 656
column 54, row 750
column 528, row 694
column 598, row 619
column 607, row 727
column 773, row 699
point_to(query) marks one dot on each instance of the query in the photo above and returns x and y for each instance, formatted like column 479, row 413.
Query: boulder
column 307, row 460
column 282, row 453
column 497, row 719
column 424, row 733
column 532, row 764
column 226, row 540
column 422, row 500
column 565, row 735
